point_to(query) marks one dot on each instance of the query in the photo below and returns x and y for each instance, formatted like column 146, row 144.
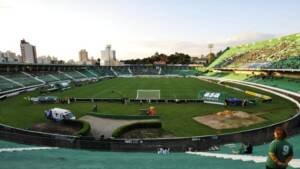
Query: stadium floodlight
column 210, row 46
column 148, row 94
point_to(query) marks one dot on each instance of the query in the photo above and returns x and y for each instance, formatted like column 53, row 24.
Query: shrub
column 85, row 127
column 124, row 117
column 138, row 125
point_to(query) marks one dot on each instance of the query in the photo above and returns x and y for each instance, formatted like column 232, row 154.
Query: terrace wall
column 255, row 136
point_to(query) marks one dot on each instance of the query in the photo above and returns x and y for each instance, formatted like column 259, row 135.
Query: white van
column 58, row 114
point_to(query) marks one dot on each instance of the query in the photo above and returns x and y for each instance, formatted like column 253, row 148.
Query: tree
column 211, row 57
column 176, row 58
column 222, row 51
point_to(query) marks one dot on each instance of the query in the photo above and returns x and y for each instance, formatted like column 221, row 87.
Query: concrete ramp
column 105, row 126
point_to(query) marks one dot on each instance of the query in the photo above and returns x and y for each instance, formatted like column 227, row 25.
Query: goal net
column 148, row 94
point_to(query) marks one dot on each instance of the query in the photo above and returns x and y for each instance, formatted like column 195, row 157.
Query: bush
column 123, row 117
column 138, row 125
column 85, row 127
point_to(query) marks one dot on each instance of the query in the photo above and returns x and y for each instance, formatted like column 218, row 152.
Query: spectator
column 241, row 150
column 280, row 151
column 249, row 149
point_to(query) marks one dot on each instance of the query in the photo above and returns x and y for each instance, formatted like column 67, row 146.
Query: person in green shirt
column 280, row 151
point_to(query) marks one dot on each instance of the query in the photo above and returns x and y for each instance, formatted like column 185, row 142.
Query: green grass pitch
column 176, row 118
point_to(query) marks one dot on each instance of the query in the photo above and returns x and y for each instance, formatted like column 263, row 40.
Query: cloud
column 147, row 48
column 247, row 37
column 5, row 4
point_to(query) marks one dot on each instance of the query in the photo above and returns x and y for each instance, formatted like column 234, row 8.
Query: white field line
column 295, row 163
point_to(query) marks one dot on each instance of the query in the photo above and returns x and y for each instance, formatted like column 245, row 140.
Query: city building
column 108, row 56
column 71, row 62
column 8, row 57
column 46, row 60
column 199, row 60
column 2, row 59
column 28, row 52
column 83, row 56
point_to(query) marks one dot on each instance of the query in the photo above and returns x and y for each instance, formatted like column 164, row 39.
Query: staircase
column 115, row 73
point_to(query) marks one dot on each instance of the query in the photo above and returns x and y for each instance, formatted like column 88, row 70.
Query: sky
column 139, row 28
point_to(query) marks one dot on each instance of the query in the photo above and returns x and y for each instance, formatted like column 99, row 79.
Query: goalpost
column 148, row 94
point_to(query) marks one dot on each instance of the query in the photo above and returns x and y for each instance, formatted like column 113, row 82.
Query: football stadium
column 166, row 111
column 142, row 108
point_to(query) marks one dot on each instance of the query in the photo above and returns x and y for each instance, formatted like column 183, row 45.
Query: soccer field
column 170, row 88
column 177, row 119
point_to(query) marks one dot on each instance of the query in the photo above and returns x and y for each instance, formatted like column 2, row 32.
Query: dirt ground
column 55, row 127
column 229, row 120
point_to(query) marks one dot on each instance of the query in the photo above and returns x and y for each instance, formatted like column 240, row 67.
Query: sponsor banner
column 212, row 97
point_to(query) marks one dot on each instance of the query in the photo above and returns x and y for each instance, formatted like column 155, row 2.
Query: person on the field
column 151, row 111
column 280, row 151
column 95, row 108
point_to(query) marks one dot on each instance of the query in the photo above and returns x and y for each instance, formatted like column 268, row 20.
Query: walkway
column 106, row 126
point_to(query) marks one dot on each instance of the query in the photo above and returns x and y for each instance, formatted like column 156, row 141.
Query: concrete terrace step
column 25, row 149
column 295, row 163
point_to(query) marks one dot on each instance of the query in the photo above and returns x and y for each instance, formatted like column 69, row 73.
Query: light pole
column 210, row 46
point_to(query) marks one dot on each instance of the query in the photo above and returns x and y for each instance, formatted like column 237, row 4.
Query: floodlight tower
column 210, row 46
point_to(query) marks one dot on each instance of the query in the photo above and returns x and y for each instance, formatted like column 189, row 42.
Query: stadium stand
column 171, row 70
column 88, row 73
column 76, row 159
column 7, row 85
column 123, row 71
column 60, row 75
column 261, row 54
column 46, row 77
column 22, row 79
column 75, row 75
column 288, row 63
column 259, row 152
column 284, row 83
column 103, row 71
column 145, row 70
column 295, row 141
column 279, row 82
column 179, row 70
column 223, row 158
column 11, row 81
